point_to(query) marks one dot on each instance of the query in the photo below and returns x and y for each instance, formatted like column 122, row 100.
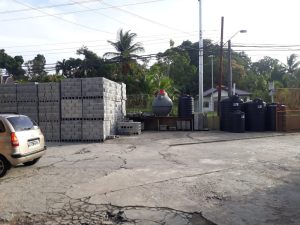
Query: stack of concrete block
column 8, row 93
column 85, row 109
column 8, row 107
column 129, row 128
column 49, row 110
column 51, row 130
column 102, row 103
column 49, row 92
column 124, row 98
column 93, row 108
column 71, row 109
column 8, row 98
column 27, row 100
column 71, row 130
column 71, row 88
column 27, row 92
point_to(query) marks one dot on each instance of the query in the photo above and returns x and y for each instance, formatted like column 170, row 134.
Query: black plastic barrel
column 186, row 106
column 228, row 106
column 255, row 115
column 270, row 119
column 237, row 122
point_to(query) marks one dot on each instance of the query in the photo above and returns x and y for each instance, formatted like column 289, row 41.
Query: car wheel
column 4, row 166
column 30, row 163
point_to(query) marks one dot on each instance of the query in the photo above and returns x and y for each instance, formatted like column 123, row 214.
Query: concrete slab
column 160, row 178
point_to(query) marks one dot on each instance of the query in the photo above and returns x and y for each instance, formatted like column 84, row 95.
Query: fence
column 288, row 116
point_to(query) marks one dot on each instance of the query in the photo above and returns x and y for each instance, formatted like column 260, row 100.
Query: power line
column 90, row 41
column 60, row 18
column 98, row 13
column 46, row 7
column 146, row 19
column 77, row 11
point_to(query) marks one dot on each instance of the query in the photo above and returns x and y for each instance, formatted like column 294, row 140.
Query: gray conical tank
column 162, row 104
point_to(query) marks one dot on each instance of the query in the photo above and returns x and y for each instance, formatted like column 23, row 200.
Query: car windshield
column 21, row 123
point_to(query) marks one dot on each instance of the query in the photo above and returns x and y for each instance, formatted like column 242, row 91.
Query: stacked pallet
column 49, row 110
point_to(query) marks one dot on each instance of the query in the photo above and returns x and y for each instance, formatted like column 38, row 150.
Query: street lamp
column 230, row 63
column 212, row 80
column 200, row 60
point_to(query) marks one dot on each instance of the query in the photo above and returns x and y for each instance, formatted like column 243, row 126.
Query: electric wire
column 77, row 11
column 60, row 18
column 46, row 7
column 144, row 18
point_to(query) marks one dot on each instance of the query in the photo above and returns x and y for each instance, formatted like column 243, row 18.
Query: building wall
column 208, row 106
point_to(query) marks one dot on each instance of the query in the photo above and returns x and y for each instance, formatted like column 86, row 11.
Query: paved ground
column 170, row 178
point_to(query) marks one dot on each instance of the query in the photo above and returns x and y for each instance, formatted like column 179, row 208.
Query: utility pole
column 212, row 81
column 221, row 66
column 229, row 69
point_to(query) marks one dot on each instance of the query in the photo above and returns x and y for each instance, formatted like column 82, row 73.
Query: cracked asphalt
column 160, row 178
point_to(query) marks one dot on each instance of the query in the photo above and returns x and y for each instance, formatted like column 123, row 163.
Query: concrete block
column 8, row 107
column 92, row 130
column 71, row 88
column 71, row 108
column 8, row 93
column 128, row 128
column 71, row 130
column 49, row 91
column 27, row 92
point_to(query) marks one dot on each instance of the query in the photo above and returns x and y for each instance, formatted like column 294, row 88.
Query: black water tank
column 237, row 122
column 255, row 115
column 186, row 106
column 270, row 119
column 162, row 104
column 228, row 106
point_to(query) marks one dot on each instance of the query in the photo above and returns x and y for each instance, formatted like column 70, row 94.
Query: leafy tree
column 74, row 67
column 126, row 50
column 180, row 69
column 156, row 79
column 257, row 85
column 13, row 65
column 93, row 65
column 292, row 64
column 36, row 67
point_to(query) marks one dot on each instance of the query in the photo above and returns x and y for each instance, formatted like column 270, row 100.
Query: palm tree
column 62, row 66
column 126, row 50
column 292, row 64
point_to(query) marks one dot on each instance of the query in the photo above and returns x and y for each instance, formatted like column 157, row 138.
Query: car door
column 5, row 146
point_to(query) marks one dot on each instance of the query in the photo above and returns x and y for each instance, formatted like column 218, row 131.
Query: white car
column 21, row 141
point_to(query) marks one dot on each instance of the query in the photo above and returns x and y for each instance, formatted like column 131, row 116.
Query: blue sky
column 155, row 22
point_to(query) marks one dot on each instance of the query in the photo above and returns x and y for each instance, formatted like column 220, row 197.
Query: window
column 21, row 123
column 206, row 104
column 2, row 127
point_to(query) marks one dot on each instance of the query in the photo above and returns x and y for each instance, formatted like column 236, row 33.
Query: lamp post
column 200, row 60
column 212, row 80
column 230, row 63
